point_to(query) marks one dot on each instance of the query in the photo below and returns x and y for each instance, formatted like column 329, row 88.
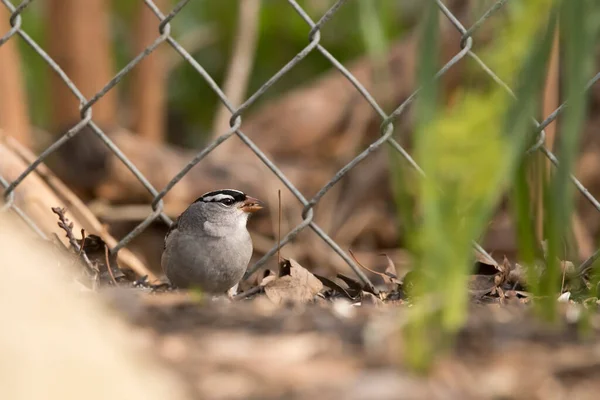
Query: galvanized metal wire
column 313, row 45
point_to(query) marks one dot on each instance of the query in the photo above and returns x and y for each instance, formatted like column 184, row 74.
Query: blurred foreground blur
column 59, row 341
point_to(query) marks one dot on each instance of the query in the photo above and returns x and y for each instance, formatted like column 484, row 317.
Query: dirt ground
column 254, row 349
column 299, row 337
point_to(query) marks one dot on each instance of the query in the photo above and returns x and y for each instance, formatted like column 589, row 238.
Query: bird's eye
column 227, row 202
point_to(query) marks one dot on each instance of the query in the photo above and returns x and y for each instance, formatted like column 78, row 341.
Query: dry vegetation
column 138, row 341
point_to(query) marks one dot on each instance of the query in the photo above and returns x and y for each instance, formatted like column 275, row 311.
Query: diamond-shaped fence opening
column 313, row 45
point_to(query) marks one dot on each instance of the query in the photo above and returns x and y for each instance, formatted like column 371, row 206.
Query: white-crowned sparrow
column 209, row 246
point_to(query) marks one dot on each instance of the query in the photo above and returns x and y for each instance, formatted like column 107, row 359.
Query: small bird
column 208, row 246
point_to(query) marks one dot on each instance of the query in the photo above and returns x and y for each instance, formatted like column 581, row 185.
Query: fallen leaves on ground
column 257, row 349
column 295, row 285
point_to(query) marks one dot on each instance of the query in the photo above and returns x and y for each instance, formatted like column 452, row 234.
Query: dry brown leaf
column 352, row 283
column 339, row 290
column 480, row 285
column 479, row 257
column 369, row 299
column 502, row 276
column 518, row 274
column 300, row 286
column 389, row 275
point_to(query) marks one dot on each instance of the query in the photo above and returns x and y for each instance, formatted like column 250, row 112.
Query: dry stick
column 384, row 276
column 279, row 229
column 80, row 251
column 64, row 224
column 240, row 65
column 380, row 295
column 587, row 265
column 83, row 238
column 50, row 190
column 247, row 293
column 112, row 276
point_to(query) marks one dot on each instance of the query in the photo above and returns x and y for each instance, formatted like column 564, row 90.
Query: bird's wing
column 173, row 228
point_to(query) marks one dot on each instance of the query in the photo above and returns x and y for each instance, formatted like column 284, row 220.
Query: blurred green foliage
column 191, row 103
column 283, row 34
column 473, row 152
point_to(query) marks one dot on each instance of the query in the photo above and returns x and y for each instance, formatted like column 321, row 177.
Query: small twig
column 385, row 277
column 83, row 239
column 279, row 232
column 247, row 293
column 67, row 226
column 365, row 268
column 587, row 265
column 108, row 266
column 80, row 251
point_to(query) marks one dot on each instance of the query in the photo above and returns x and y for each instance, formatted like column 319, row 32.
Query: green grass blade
column 420, row 347
column 577, row 37
column 469, row 151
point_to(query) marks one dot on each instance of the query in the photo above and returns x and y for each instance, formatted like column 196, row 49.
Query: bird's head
column 228, row 205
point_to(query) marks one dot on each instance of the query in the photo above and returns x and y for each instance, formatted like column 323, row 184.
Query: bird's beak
column 251, row 205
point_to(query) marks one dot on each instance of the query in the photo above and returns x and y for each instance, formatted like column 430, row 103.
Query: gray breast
column 213, row 264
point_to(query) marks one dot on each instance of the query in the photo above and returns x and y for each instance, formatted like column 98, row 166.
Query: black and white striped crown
column 223, row 196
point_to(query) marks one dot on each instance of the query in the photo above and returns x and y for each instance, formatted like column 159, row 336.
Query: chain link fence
column 314, row 45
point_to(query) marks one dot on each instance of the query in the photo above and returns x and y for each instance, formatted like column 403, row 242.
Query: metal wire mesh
column 314, row 45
